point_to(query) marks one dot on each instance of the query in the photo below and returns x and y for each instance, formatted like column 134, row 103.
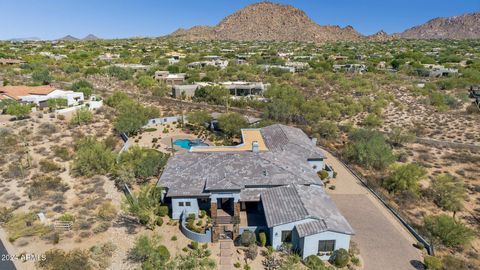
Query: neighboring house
column 184, row 91
column 241, row 59
column 109, row 57
column 7, row 61
column 40, row 94
column 54, row 56
column 134, row 67
column 298, row 66
column 241, row 88
column 236, row 88
column 338, row 57
column 201, row 64
column 439, row 71
column 170, row 79
column 351, row 68
column 284, row 68
column 269, row 183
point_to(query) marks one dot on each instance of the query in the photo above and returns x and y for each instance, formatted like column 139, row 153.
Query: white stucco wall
column 177, row 210
column 310, row 243
column 276, row 232
column 318, row 165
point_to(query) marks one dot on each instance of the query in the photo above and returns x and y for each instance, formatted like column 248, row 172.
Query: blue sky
column 50, row 19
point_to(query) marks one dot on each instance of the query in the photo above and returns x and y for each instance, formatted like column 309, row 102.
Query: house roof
column 16, row 92
column 293, row 203
column 198, row 173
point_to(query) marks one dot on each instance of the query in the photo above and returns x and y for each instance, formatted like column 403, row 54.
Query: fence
column 427, row 245
column 194, row 236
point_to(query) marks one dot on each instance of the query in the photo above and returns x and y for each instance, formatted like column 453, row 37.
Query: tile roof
column 197, row 173
column 293, row 203
column 16, row 92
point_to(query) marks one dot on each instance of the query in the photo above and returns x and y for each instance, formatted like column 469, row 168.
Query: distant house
column 170, row 79
column 8, row 61
column 298, row 66
column 236, row 88
column 338, row 57
column 351, row 68
column 437, row 71
column 283, row 68
column 268, row 183
column 40, row 94
column 54, row 56
column 134, row 67
column 201, row 64
column 108, row 57
column 184, row 91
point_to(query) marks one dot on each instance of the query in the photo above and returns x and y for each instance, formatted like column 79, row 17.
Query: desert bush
column 262, row 237
column 247, row 238
column 433, row 263
column 449, row 232
column 67, row 217
column 23, row 225
column 40, row 185
column 144, row 162
column 405, row 177
column 369, row 149
column 323, row 174
column 102, row 227
column 62, row 152
column 47, row 166
column 47, row 129
column 82, row 116
column 251, row 252
column 448, row 192
column 314, row 262
column 92, row 157
column 341, row 258
column 56, row 259
column 145, row 205
column 106, row 211
column 162, row 211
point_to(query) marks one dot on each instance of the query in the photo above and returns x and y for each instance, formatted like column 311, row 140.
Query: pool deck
column 248, row 137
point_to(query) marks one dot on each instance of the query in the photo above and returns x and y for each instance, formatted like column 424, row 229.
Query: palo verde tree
column 405, row 177
column 369, row 149
column 448, row 193
column 232, row 123
column 19, row 110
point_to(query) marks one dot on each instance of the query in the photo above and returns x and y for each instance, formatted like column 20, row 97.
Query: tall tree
column 449, row 193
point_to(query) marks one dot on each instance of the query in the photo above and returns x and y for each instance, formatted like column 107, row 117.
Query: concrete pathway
column 226, row 252
column 383, row 242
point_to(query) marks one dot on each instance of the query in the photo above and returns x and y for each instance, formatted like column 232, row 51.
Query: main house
column 40, row 94
column 269, row 183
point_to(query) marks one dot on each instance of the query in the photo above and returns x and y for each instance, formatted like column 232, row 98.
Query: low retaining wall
column 194, row 236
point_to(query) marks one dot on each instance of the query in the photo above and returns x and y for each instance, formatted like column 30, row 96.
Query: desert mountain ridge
column 465, row 26
column 267, row 21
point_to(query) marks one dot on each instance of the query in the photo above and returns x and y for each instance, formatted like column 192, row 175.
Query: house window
column 187, row 204
column 326, row 245
column 286, row 236
column 180, row 204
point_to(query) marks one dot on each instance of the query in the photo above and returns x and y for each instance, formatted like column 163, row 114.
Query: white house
column 268, row 183
column 41, row 94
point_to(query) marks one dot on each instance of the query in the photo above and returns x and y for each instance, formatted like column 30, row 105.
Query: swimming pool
column 187, row 144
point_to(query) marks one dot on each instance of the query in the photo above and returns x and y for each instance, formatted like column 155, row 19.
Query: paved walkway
column 384, row 243
column 226, row 252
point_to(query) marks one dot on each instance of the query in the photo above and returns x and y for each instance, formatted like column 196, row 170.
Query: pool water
column 187, row 144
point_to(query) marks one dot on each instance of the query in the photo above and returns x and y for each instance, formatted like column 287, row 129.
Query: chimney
column 255, row 147
column 314, row 140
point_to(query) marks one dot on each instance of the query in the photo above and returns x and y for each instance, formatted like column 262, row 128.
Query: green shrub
column 355, row 261
column 174, row 238
column 101, row 227
column 262, row 238
column 432, row 262
column 313, row 262
column 58, row 259
column 341, row 258
column 163, row 211
column 67, row 217
column 159, row 221
column 47, row 166
column 194, row 245
column 323, row 174
column 237, row 265
column 247, row 238
column 107, row 211
column 448, row 231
